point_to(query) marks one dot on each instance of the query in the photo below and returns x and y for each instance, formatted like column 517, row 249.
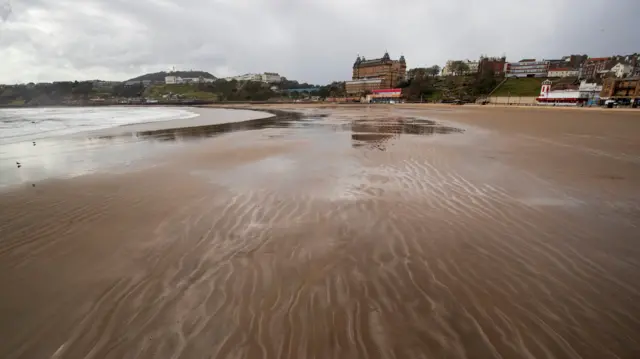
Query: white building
column 622, row 70
column 198, row 80
column 173, row 80
column 526, row 68
column 587, row 93
column 563, row 72
column 245, row 77
column 176, row 80
column 270, row 78
column 591, row 91
column 267, row 77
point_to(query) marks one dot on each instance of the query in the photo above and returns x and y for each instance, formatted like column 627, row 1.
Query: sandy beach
column 402, row 231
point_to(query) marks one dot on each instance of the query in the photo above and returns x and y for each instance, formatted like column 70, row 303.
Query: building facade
column 570, row 61
column 621, row 88
column 267, row 77
column 585, row 94
column 270, row 78
column 527, row 68
column 172, row 80
column 621, row 70
column 245, row 77
column 558, row 97
column 493, row 65
column 575, row 61
column 563, row 72
column 591, row 91
column 176, row 80
column 389, row 72
column 362, row 86
column 385, row 96
column 593, row 66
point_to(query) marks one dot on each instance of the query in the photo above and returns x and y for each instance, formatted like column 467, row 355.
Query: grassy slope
column 520, row 87
column 186, row 90
column 526, row 86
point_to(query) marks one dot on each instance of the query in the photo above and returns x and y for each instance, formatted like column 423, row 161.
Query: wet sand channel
column 346, row 232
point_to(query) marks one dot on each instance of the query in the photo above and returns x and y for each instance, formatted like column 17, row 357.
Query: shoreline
column 120, row 146
column 242, row 104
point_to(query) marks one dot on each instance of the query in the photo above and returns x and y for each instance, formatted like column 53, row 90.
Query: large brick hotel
column 376, row 74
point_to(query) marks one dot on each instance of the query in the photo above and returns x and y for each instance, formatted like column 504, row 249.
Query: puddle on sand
column 366, row 133
column 373, row 134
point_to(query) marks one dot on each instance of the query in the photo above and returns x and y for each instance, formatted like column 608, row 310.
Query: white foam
column 27, row 124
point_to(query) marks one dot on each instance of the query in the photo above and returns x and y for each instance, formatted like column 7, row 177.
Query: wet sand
column 350, row 232
column 114, row 149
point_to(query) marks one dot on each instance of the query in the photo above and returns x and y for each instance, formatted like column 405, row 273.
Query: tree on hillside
column 334, row 89
column 337, row 89
column 83, row 89
column 433, row 71
column 419, row 87
column 286, row 84
column 484, row 83
column 459, row 68
column 323, row 92
column 417, row 73
column 127, row 91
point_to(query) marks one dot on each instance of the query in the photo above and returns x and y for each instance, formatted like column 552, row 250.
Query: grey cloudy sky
column 308, row 40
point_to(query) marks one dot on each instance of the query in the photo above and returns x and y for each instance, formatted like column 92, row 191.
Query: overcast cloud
column 307, row 40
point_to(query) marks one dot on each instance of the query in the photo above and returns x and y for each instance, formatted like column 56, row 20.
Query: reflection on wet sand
column 195, row 132
column 253, row 246
column 374, row 133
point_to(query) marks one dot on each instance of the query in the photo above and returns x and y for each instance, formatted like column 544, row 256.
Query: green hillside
column 519, row 87
column 529, row 86
column 220, row 90
column 183, row 90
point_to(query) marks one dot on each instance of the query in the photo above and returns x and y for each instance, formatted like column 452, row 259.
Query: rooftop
column 361, row 61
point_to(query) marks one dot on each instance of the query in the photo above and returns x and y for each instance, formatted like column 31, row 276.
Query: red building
column 386, row 95
column 492, row 64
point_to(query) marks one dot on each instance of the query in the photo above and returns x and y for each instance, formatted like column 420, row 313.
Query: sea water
column 41, row 143
column 29, row 124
